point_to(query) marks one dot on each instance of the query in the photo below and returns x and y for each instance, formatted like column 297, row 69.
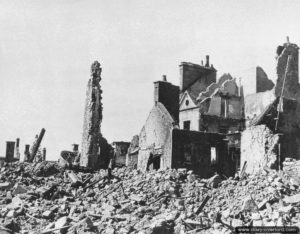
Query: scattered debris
column 129, row 201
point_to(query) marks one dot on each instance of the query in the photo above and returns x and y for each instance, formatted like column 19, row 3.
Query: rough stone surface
column 163, row 201
column 258, row 148
column 93, row 144
column 155, row 136
column 291, row 86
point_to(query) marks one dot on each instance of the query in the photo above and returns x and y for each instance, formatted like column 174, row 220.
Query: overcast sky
column 47, row 47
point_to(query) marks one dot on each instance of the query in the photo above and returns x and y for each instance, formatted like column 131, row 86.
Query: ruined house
column 278, row 111
column 209, row 105
column 163, row 145
column 120, row 151
column 95, row 148
column 219, row 128
column 155, row 137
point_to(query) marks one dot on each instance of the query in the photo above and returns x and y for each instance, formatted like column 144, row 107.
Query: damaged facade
column 212, row 106
column 278, row 109
column 163, row 144
column 214, row 118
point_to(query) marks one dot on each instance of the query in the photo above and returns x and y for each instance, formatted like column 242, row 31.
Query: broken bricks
column 168, row 200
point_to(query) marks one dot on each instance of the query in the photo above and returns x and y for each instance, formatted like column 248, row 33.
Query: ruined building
column 273, row 117
column 155, row 139
column 211, row 127
column 208, row 105
column 95, row 149
column 163, row 145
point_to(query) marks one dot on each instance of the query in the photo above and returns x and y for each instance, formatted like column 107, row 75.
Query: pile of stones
column 131, row 201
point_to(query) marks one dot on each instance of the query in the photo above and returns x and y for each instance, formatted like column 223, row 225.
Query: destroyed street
column 149, row 117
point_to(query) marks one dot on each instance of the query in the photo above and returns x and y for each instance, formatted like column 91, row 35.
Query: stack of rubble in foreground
column 169, row 201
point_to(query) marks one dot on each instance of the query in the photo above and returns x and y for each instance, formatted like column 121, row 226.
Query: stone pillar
column 91, row 136
column 17, row 149
column 10, row 148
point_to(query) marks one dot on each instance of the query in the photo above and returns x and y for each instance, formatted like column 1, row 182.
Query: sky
column 47, row 48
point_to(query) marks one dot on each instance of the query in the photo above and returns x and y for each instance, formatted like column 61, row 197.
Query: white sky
column 47, row 47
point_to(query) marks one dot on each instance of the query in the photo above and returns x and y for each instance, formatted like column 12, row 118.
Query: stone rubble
column 163, row 201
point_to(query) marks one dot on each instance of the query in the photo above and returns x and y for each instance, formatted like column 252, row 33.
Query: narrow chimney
column 288, row 39
column 201, row 62
column 207, row 61
column 164, row 78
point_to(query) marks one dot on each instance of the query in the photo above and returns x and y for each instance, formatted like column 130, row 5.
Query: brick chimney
column 207, row 61
column 167, row 94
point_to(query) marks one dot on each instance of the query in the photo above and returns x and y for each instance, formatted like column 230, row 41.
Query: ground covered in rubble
column 47, row 199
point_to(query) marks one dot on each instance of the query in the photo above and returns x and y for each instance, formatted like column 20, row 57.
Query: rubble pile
column 129, row 201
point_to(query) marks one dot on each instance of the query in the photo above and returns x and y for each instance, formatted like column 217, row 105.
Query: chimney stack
column 164, row 78
column 207, row 61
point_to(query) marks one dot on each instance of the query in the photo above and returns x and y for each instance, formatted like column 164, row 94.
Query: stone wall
column 154, row 136
column 259, row 147
column 191, row 115
column 91, row 136
column 291, row 86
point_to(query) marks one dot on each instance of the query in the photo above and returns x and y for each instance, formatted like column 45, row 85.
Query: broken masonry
column 95, row 149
